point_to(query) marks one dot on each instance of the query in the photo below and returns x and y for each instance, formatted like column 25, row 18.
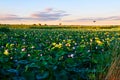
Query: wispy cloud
column 10, row 17
column 13, row 17
column 49, row 14
column 97, row 19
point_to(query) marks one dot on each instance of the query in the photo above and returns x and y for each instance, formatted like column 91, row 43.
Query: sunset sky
column 71, row 12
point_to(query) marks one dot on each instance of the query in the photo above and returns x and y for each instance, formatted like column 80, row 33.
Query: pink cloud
column 49, row 14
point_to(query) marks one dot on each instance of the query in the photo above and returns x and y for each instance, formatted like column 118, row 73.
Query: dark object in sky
column 94, row 21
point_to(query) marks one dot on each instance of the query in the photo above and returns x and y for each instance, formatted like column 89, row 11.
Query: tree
column 45, row 24
column 60, row 24
column 39, row 24
column 94, row 21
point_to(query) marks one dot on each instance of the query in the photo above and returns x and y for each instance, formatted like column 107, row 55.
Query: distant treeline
column 74, row 27
column 60, row 26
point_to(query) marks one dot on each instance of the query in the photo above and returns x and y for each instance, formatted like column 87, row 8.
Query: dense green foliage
column 4, row 29
column 59, row 54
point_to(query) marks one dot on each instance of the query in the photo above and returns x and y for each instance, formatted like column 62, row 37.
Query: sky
column 68, row 12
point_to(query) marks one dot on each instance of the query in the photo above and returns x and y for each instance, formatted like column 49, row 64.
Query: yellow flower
column 108, row 39
column 6, row 52
column 96, row 38
column 99, row 42
column 53, row 44
column 58, row 45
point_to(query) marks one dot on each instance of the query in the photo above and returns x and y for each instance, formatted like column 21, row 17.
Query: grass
column 114, row 69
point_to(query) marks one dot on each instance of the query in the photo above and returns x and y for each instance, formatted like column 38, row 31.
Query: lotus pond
column 56, row 54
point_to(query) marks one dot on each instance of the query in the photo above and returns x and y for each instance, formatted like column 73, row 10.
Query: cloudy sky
column 71, row 12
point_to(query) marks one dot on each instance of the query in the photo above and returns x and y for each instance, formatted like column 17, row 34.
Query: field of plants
column 57, row 54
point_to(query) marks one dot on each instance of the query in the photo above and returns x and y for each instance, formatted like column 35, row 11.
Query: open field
column 32, row 52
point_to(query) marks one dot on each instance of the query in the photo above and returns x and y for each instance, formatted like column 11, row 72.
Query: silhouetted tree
column 60, row 24
column 39, row 24
column 94, row 21
column 45, row 24
column 34, row 24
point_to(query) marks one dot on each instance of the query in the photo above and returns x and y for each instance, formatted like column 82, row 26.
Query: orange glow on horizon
column 117, row 22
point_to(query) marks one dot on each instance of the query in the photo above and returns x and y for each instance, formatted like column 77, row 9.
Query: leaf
column 24, row 62
column 59, row 54
column 42, row 75
column 91, row 76
column 33, row 65
column 18, row 78
column 94, row 61
column 29, row 75
column 70, row 62
column 61, row 75
column 13, row 71
column 81, row 48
